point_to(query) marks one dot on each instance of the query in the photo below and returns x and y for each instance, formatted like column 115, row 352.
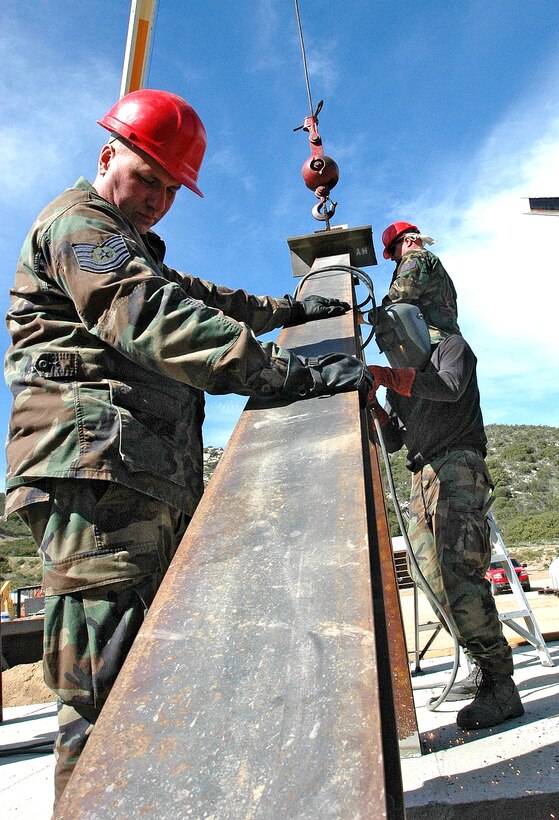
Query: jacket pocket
column 149, row 424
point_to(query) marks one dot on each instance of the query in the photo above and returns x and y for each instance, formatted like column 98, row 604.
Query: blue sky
column 441, row 113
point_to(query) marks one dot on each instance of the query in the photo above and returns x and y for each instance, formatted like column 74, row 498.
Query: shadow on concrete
column 527, row 662
column 538, row 692
column 511, row 788
column 36, row 747
column 450, row 736
column 28, row 718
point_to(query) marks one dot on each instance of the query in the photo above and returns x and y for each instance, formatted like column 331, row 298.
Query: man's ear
column 105, row 157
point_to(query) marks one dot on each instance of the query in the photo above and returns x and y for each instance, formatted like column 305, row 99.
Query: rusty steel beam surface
column 252, row 690
column 387, row 608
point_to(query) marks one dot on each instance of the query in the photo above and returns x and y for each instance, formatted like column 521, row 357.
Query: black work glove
column 314, row 307
column 326, row 375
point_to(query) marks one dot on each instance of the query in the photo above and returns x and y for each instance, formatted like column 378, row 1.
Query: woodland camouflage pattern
column 97, row 533
column 105, row 551
column 449, row 535
column 111, row 352
column 421, row 279
column 82, row 672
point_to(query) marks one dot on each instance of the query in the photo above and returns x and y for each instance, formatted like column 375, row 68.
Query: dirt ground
column 23, row 685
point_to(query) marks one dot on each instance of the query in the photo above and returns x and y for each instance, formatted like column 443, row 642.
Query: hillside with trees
column 524, row 463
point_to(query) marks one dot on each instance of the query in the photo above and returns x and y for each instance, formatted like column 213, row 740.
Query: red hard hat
column 392, row 233
column 164, row 126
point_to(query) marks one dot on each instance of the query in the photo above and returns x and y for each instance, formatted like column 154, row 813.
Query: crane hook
column 322, row 212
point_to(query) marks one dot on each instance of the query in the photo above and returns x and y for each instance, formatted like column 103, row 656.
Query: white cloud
column 46, row 123
column 323, row 69
column 228, row 162
column 504, row 262
column 265, row 56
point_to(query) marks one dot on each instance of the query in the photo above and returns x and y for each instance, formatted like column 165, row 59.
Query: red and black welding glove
column 379, row 411
column 314, row 307
column 326, row 375
column 399, row 379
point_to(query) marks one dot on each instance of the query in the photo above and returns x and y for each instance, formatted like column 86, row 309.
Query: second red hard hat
column 392, row 233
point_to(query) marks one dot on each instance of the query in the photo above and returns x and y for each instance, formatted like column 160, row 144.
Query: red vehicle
column 498, row 577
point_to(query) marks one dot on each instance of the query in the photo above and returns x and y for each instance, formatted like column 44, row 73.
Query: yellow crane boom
column 140, row 27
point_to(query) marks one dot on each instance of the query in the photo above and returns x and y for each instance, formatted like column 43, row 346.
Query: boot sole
column 476, row 725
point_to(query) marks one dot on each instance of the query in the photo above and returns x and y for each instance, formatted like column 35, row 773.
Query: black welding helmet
column 402, row 335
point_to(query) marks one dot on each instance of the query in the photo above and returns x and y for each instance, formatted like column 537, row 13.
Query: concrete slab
column 511, row 770
column 26, row 779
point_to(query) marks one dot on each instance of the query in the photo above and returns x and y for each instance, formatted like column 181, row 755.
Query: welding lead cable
column 359, row 274
column 363, row 277
column 435, row 702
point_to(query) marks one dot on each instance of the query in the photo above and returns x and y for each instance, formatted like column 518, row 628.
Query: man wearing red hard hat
column 111, row 353
column 420, row 278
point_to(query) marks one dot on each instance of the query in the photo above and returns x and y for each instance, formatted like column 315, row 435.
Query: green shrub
column 539, row 527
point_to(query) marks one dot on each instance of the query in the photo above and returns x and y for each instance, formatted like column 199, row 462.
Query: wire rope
column 304, row 57
column 423, row 583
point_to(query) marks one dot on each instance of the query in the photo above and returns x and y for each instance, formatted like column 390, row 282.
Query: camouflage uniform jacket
column 421, row 279
column 111, row 352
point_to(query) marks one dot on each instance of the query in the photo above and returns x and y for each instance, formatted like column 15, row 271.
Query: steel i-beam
column 253, row 688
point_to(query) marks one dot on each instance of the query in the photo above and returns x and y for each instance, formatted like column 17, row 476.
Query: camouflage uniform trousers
column 449, row 536
column 89, row 632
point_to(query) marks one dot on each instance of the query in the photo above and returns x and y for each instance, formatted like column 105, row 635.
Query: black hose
column 436, row 701
column 357, row 272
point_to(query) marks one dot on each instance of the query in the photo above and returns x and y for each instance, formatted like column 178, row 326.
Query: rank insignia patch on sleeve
column 102, row 258
column 409, row 266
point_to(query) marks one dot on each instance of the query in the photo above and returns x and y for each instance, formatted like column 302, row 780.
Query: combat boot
column 466, row 688
column 496, row 700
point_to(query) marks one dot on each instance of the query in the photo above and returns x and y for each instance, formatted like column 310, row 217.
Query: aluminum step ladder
column 531, row 631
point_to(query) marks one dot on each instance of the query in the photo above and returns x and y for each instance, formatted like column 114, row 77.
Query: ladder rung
column 519, row 613
column 431, row 625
